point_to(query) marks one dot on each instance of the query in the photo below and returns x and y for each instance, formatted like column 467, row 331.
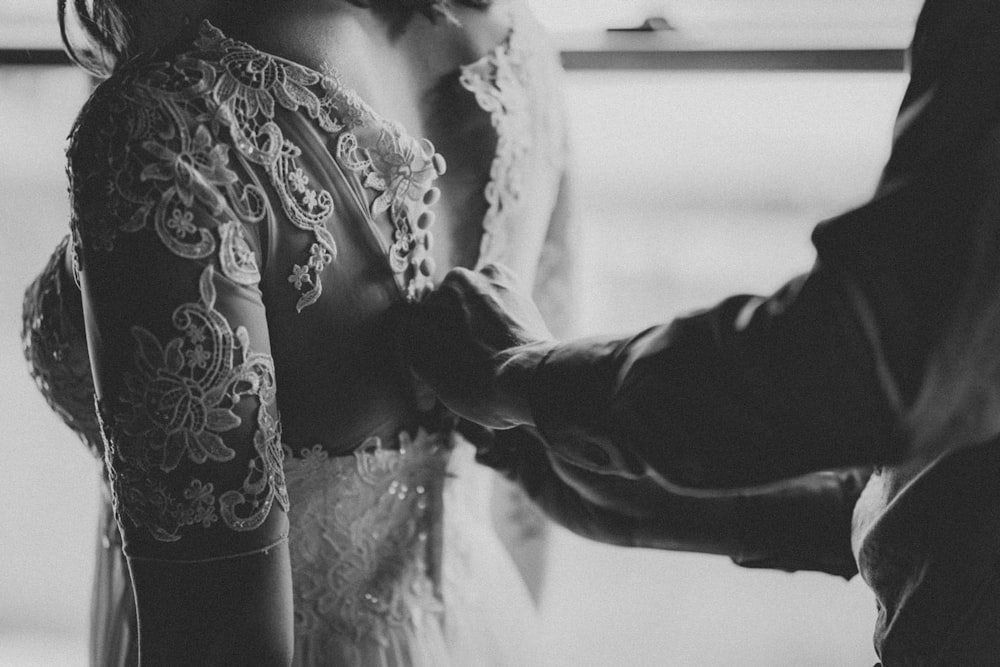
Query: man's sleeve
column 798, row 524
column 751, row 391
column 887, row 346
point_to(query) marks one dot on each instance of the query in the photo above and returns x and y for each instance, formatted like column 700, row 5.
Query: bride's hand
column 475, row 340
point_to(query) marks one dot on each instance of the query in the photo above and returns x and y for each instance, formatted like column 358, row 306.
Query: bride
column 253, row 187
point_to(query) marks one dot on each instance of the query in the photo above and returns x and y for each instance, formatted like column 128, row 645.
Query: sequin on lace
column 362, row 543
column 178, row 402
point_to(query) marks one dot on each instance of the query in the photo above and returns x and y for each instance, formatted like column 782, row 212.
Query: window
column 723, row 34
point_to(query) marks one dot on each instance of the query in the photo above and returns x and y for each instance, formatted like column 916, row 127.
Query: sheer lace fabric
column 249, row 219
column 364, row 543
column 394, row 561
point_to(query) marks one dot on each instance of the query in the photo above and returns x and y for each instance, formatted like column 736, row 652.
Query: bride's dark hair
column 109, row 26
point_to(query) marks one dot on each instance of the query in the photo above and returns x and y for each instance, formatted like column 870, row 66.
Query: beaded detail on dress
column 364, row 544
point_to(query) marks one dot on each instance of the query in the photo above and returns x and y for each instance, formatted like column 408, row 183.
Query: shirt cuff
column 571, row 395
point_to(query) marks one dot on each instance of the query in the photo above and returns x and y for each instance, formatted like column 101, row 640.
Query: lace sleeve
column 179, row 339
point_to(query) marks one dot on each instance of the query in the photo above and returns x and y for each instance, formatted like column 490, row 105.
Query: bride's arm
column 180, row 349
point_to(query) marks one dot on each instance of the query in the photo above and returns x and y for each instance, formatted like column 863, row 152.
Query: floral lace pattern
column 363, row 543
column 496, row 82
column 171, row 117
column 198, row 150
column 179, row 401
column 401, row 169
column 511, row 85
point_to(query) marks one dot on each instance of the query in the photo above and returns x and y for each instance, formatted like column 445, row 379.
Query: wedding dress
column 241, row 225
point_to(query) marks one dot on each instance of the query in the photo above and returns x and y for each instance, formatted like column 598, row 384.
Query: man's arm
column 887, row 347
column 800, row 524
column 749, row 392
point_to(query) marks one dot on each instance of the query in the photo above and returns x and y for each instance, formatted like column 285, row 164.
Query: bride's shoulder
column 152, row 95
column 138, row 126
column 170, row 127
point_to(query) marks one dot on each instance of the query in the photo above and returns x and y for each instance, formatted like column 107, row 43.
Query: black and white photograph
column 500, row 333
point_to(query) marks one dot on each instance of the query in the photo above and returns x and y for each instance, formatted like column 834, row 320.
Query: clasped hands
column 476, row 341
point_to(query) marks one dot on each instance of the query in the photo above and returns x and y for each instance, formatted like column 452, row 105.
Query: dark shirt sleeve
column 841, row 367
column 751, row 391
column 799, row 524
column 877, row 353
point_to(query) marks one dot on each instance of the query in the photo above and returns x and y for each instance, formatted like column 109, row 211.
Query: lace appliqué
column 508, row 84
column 167, row 117
column 496, row 82
column 170, row 115
column 362, row 542
column 251, row 85
column 248, row 88
column 401, row 169
column 162, row 161
column 179, row 401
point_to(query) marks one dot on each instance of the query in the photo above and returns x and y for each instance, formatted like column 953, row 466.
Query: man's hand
column 475, row 341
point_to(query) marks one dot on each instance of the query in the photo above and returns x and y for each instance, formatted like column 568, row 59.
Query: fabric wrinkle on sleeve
column 571, row 398
column 799, row 524
column 724, row 398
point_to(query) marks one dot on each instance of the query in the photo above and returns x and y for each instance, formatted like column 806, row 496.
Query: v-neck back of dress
column 352, row 200
column 324, row 211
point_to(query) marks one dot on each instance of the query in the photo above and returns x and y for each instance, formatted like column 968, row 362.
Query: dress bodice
column 278, row 217
column 366, row 548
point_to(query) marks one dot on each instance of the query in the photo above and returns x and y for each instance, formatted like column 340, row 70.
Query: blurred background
column 696, row 178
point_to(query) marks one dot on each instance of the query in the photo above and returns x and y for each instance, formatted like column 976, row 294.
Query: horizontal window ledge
column 762, row 60
column 891, row 60
column 748, row 47
column 760, row 47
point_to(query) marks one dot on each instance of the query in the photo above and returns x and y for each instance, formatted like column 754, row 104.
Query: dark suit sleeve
column 880, row 350
column 799, row 524
column 751, row 391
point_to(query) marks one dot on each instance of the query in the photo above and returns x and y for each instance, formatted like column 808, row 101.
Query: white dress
column 241, row 224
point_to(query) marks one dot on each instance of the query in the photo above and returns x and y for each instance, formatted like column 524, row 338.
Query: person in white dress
column 254, row 185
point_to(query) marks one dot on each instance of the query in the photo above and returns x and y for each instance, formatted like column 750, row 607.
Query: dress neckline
column 468, row 74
